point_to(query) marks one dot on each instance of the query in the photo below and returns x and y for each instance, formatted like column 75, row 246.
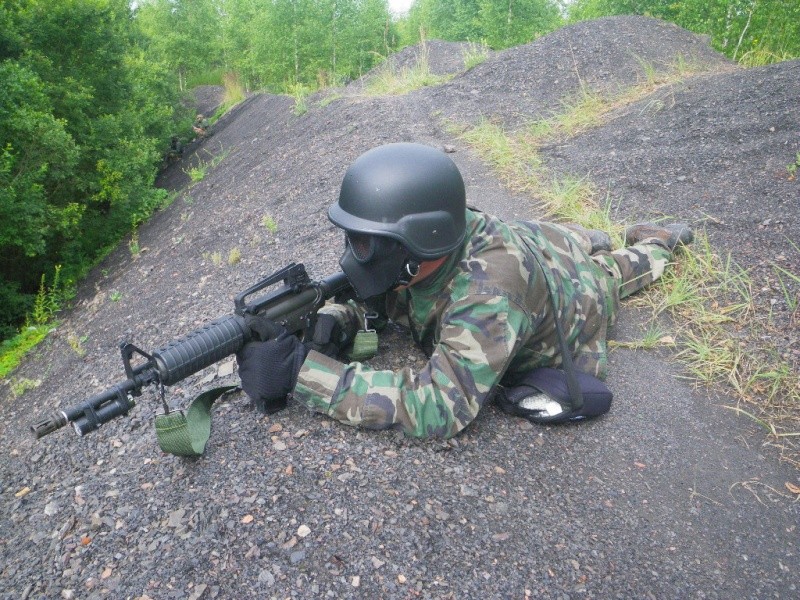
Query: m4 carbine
column 293, row 305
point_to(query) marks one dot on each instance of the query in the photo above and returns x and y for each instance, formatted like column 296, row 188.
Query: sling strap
column 574, row 388
column 186, row 434
column 575, row 393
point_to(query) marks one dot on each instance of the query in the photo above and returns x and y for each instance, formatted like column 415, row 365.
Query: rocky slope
column 669, row 495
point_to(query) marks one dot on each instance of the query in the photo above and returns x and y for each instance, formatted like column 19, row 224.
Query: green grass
column 475, row 54
column 234, row 256
column 759, row 57
column 792, row 301
column 210, row 77
column 792, row 167
column 515, row 158
column 654, row 337
column 13, row 350
column 389, row 81
column 300, row 93
column 198, row 172
column 234, row 91
column 41, row 320
column 268, row 222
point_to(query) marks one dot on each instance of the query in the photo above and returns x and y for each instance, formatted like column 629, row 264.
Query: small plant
column 13, row 350
column 216, row 258
column 76, row 343
column 792, row 302
column 234, row 91
column 115, row 296
column 169, row 198
column 792, row 168
column 475, row 54
column 650, row 73
column 23, row 384
column 760, row 57
column 234, row 256
column 329, row 97
column 198, row 173
column 516, row 159
column 269, row 223
column 201, row 169
column 299, row 92
column 653, row 338
column 133, row 245
column 390, row 82
column 48, row 300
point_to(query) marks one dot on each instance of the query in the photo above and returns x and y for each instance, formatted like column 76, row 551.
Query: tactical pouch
column 543, row 396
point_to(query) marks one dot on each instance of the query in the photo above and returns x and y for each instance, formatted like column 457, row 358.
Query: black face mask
column 376, row 264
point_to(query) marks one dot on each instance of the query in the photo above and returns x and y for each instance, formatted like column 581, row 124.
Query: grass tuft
column 13, row 350
column 390, row 82
column 475, row 54
column 198, row 172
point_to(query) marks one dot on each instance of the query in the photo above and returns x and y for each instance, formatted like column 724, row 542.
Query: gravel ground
column 667, row 496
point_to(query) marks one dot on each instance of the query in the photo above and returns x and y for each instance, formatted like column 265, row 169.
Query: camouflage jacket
column 483, row 318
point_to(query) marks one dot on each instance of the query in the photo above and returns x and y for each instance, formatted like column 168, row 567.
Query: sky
column 399, row 7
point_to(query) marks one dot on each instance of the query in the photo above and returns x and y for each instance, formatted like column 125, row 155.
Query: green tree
column 314, row 42
column 84, row 114
column 188, row 35
column 239, row 34
column 737, row 27
column 509, row 23
column 452, row 20
column 498, row 23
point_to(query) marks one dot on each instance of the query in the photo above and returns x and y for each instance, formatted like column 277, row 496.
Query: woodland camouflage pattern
column 483, row 319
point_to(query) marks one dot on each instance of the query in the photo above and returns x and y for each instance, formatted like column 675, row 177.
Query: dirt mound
column 713, row 151
column 531, row 81
column 656, row 499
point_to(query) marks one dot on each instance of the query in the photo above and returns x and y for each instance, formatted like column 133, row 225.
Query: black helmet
column 399, row 204
column 409, row 192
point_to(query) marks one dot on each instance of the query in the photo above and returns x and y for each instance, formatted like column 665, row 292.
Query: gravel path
column 667, row 496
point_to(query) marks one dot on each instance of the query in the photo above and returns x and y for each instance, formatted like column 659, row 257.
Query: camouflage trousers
column 588, row 288
column 629, row 269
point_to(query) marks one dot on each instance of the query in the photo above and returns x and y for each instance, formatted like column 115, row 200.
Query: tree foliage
column 736, row 27
column 498, row 23
column 83, row 118
column 273, row 44
column 90, row 96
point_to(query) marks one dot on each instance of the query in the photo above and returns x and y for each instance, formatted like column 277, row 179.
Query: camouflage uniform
column 484, row 318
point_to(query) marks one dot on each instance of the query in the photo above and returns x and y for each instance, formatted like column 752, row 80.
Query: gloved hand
column 269, row 370
column 262, row 328
column 328, row 336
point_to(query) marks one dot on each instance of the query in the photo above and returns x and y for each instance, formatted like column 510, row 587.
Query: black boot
column 670, row 236
column 598, row 240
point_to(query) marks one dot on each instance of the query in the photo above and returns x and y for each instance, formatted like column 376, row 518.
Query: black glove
column 328, row 336
column 262, row 328
column 268, row 370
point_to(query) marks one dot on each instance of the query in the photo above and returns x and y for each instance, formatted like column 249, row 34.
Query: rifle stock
column 293, row 305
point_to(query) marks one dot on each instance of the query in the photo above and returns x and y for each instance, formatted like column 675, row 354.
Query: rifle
column 293, row 305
